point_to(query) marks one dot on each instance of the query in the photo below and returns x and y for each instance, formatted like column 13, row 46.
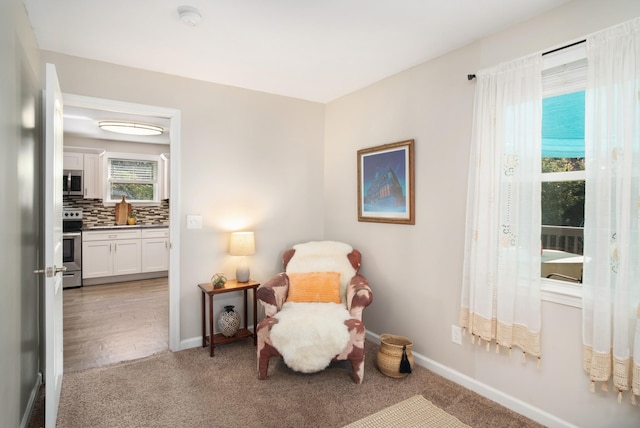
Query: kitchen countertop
column 124, row 226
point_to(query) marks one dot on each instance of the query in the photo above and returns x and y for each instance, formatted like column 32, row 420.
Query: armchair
column 313, row 310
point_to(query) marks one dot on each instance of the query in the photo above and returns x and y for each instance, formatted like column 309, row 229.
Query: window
column 136, row 177
column 563, row 172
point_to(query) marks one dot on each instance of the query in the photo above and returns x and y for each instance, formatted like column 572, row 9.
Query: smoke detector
column 189, row 15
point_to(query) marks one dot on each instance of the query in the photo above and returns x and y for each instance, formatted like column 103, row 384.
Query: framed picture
column 386, row 183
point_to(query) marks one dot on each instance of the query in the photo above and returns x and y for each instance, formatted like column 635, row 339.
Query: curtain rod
column 473, row 76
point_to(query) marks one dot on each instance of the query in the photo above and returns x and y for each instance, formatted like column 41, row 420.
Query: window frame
column 157, row 183
column 556, row 291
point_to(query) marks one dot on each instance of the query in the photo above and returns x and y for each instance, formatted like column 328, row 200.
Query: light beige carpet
column 416, row 412
column 190, row 389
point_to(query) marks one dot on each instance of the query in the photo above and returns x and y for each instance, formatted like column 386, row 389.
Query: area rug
column 416, row 411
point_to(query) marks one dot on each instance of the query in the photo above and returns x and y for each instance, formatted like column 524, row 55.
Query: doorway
column 172, row 118
column 116, row 322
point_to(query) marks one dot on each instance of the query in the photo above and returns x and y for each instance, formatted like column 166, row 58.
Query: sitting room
column 282, row 115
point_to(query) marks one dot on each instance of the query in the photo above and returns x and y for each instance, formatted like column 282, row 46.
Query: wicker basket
column 390, row 354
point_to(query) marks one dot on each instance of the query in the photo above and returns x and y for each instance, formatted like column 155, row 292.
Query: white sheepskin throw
column 309, row 335
column 323, row 256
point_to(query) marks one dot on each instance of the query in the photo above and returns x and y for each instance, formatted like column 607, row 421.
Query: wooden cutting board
column 123, row 211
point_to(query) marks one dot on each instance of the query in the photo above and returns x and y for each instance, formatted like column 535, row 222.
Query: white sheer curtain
column 501, row 278
column 611, row 296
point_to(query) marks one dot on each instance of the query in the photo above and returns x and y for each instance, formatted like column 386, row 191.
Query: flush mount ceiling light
column 130, row 128
column 189, row 15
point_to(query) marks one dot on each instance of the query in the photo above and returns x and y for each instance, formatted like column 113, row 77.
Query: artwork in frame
column 386, row 184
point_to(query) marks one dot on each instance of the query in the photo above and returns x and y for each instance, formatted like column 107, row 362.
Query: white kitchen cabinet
column 109, row 253
column 73, row 160
column 155, row 250
column 97, row 260
column 92, row 164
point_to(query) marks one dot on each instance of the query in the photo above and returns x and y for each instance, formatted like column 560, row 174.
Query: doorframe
column 174, row 117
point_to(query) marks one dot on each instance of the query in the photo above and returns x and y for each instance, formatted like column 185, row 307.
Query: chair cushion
column 309, row 335
column 322, row 287
column 323, row 256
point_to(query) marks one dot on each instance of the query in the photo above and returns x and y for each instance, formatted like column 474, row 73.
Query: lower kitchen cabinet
column 109, row 253
column 155, row 250
column 114, row 252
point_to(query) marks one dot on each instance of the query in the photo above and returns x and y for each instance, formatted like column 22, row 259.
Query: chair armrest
column 273, row 293
column 359, row 296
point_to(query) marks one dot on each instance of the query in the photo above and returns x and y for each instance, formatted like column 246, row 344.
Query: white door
column 53, row 245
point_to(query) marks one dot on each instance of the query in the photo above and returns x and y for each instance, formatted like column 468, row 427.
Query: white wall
column 249, row 161
column 415, row 271
column 19, row 222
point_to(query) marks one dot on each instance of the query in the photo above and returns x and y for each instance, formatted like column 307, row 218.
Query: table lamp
column 242, row 244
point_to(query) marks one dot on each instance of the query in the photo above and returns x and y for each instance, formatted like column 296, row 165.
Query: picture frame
column 386, row 186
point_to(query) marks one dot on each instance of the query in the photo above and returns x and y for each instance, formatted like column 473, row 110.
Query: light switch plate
column 194, row 222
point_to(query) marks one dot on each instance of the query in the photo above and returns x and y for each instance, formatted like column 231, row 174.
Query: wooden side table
column 242, row 333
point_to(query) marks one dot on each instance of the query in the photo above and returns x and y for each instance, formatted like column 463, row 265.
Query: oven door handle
column 70, row 234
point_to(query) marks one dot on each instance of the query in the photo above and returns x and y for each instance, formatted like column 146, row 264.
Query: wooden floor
column 105, row 324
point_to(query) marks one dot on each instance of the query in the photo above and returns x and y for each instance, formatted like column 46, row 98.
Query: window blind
column 133, row 170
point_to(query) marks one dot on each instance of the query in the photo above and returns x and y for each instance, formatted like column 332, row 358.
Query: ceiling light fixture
column 130, row 128
column 189, row 15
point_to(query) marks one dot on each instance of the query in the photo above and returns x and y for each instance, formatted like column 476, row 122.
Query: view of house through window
column 563, row 187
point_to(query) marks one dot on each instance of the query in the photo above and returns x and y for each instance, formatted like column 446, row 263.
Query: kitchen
column 117, row 266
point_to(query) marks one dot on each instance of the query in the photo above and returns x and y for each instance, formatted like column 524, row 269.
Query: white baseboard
column 194, row 342
column 32, row 400
column 487, row 391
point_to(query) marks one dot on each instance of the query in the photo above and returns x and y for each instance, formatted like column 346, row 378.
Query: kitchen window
column 136, row 177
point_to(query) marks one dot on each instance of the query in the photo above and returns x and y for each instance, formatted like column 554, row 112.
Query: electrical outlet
column 194, row 222
column 456, row 334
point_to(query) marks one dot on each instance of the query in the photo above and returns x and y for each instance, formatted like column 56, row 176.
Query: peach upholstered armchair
column 313, row 310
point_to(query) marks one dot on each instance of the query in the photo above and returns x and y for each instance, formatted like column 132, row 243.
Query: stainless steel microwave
column 72, row 182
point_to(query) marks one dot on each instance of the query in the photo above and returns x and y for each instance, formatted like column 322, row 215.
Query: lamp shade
column 242, row 244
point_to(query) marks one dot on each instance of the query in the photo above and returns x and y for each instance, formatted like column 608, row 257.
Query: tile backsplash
column 95, row 214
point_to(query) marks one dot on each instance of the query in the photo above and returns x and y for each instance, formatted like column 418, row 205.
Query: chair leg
column 264, row 355
column 265, row 350
column 357, row 365
column 355, row 354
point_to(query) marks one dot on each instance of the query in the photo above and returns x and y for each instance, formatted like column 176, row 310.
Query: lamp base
column 242, row 271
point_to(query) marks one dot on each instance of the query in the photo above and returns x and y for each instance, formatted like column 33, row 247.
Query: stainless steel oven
column 72, row 247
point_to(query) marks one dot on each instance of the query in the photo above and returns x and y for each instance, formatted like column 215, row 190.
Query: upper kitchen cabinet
column 73, row 161
column 92, row 176
column 91, row 165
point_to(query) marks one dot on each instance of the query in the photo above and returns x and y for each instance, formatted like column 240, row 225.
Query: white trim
column 192, row 342
column 561, row 292
column 174, row 231
column 564, row 55
column 117, row 106
column 487, row 391
column 548, row 177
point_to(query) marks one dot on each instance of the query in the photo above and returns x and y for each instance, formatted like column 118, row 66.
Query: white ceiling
column 83, row 122
column 315, row 50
